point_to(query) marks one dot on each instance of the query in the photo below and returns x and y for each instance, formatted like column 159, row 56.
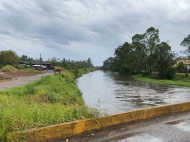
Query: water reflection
column 119, row 93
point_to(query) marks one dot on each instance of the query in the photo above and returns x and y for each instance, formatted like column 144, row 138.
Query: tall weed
column 50, row 100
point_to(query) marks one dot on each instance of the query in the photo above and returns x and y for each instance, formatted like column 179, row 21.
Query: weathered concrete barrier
column 70, row 129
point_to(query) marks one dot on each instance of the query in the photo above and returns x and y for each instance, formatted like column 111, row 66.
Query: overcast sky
column 82, row 29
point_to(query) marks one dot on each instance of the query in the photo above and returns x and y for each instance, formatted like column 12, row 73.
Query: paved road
column 21, row 81
column 169, row 128
column 171, row 131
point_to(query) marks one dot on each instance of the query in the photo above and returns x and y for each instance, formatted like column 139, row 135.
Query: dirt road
column 21, row 81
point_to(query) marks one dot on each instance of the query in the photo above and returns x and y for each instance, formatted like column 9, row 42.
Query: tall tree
column 151, row 38
column 124, row 58
column 108, row 64
column 186, row 43
column 140, row 52
column 89, row 63
column 165, row 58
column 145, row 52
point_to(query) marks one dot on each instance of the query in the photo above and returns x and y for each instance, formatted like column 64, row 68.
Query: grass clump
column 50, row 100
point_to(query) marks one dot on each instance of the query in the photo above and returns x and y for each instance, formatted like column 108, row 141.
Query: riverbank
column 178, row 80
column 51, row 100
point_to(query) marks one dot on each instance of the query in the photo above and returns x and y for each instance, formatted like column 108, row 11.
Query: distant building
column 44, row 64
column 185, row 60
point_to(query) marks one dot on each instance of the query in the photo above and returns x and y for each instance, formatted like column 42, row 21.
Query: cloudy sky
column 82, row 29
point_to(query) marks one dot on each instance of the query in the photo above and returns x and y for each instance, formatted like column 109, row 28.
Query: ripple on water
column 119, row 93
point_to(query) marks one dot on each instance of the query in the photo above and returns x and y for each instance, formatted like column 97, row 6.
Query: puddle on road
column 174, row 122
column 115, row 139
column 139, row 138
column 183, row 125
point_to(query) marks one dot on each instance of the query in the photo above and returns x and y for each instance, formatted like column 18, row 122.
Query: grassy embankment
column 50, row 100
column 178, row 80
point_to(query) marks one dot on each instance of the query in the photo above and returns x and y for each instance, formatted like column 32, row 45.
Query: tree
column 107, row 64
column 180, row 66
column 186, row 43
column 8, row 57
column 54, row 61
column 164, row 58
column 140, row 52
column 89, row 63
column 151, row 39
column 145, row 53
column 24, row 58
column 124, row 58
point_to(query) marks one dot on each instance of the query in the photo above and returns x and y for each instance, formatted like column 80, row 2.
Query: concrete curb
column 70, row 129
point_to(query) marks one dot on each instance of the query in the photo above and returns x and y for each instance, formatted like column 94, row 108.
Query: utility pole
column 40, row 60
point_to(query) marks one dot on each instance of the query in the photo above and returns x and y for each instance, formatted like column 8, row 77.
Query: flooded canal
column 119, row 93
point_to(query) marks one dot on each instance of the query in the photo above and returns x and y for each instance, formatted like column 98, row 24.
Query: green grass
column 50, row 100
column 178, row 80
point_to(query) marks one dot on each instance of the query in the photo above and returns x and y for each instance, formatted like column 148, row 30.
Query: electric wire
column 18, row 48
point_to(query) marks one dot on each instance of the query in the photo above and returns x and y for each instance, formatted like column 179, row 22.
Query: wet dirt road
column 21, row 80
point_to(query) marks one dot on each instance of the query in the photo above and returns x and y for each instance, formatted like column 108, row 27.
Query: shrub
column 154, row 76
column 169, row 73
column 186, row 74
column 8, row 68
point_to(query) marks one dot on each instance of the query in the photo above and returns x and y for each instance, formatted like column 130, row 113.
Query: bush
column 186, row 74
column 8, row 68
column 178, row 77
column 169, row 73
column 154, row 76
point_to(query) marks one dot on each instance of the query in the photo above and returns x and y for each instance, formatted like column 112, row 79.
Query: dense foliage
column 146, row 54
column 8, row 57
column 186, row 43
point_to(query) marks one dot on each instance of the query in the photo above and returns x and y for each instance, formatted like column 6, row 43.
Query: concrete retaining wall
column 66, row 130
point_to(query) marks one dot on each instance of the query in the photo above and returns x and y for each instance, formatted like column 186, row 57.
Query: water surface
column 119, row 93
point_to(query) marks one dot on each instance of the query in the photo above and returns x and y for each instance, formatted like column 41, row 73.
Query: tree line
column 9, row 57
column 146, row 54
column 71, row 64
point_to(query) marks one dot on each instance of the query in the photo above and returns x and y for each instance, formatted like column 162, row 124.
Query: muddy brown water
column 119, row 93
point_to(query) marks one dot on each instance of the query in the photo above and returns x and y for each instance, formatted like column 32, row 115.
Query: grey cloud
column 107, row 24
column 5, row 32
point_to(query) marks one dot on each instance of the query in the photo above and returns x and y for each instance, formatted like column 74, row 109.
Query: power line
column 17, row 47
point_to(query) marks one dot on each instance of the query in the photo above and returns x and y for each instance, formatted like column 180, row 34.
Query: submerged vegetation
column 50, row 100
